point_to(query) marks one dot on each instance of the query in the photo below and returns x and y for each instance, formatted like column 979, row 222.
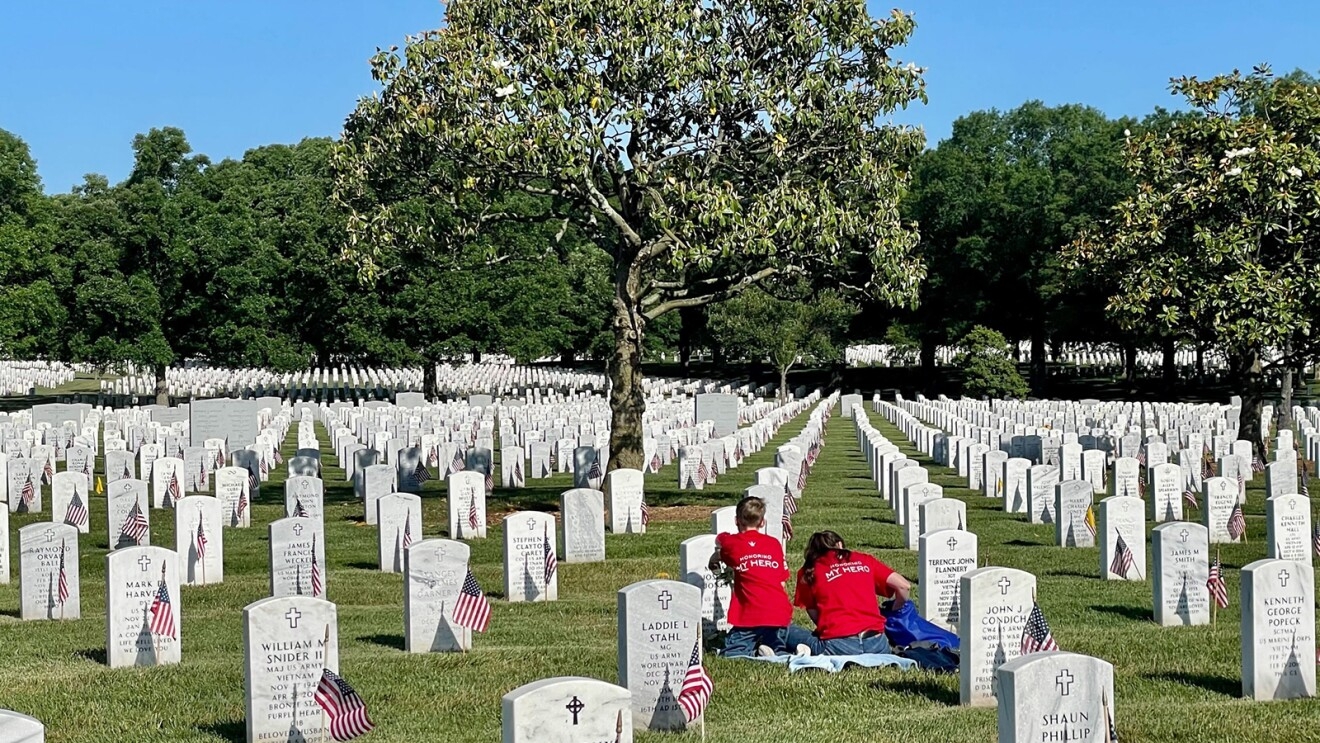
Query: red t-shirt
column 759, row 572
column 844, row 594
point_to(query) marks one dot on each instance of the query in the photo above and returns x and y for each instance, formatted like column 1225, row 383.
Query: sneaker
column 764, row 651
column 802, row 651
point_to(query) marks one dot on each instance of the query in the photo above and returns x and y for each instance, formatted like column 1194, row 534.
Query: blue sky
column 78, row 79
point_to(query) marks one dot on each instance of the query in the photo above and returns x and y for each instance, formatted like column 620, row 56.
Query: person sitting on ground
column 838, row 588
column 760, row 613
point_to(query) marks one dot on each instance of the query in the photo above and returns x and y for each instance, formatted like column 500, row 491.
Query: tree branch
column 734, row 287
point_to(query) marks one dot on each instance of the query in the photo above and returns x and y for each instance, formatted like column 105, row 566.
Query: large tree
column 1223, row 234
column 30, row 272
column 705, row 147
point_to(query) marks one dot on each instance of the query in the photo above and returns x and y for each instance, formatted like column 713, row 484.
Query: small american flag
column 1256, row 464
column 200, row 482
column 517, row 472
column 472, row 516
column 432, row 456
column 162, row 611
column 172, row 493
column 64, row 576
column 1215, row 584
column 420, row 473
column 317, row 588
column 551, row 562
column 254, row 482
column 1189, row 497
column 594, row 474
column 697, row 687
column 242, row 506
column 201, row 536
column 646, row 514
column 279, row 458
column 1123, row 560
column 1237, row 523
column 472, row 610
column 76, row 513
column 1036, row 636
column 298, row 509
column 128, row 472
column 407, row 532
column 490, row 481
column 458, row 465
column 87, row 468
column 1315, row 539
column 135, row 525
column 790, row 503
column 1242, row 484
column 802, row 476
column 262, row 466
column 702, row 473
column 787, row 525
column 48, row 472
column 1306, row 485
column 28, row 496
column 345, row 709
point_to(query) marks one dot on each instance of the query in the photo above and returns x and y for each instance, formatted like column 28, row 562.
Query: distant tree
column 758, row 325
column 1223, row 233
column 986, row 362
column 994, row 201
column 703, row 148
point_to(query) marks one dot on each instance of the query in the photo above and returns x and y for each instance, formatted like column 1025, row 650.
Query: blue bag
column 905, row 627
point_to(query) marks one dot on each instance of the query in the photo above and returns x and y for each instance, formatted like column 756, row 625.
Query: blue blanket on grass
column 836, row 663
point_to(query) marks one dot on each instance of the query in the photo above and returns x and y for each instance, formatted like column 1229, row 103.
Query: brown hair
column 751, row 512
column 822, row 543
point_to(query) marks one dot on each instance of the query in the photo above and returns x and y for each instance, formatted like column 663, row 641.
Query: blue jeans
column 862, row 644
column 741, row 642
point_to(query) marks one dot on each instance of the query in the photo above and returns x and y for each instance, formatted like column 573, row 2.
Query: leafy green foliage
column 758, row 325
column 986, row 362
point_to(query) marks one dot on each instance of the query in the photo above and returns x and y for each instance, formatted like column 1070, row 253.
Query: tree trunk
column 476, row 355
column 1130, row 364
column 1250, row 384
column 1200, row 362
column 429, row 387
column 928, row 348
column 162, row 388
column 566, row 358
column 1170, row 363
column 783, row 384
column 1038, row 361
column 1286, row 392
column 627, row 401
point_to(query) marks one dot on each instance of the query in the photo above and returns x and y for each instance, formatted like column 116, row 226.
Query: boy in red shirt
column 838, row 588
column 760, row 612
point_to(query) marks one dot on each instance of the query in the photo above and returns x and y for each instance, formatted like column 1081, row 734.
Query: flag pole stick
column 325, row 649
column 1214, row 605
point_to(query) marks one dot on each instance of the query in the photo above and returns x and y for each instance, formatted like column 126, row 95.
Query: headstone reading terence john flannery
column 568, row 709
column 659, row 627
column 287, row 642
column 721, row 409
column 222, row 418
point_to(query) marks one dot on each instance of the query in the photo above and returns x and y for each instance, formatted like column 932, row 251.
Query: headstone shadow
column 394, row 642
column 1136, row 613
column 95, row 655
column 230, row 730
column 1229, row 687
column 916, row 683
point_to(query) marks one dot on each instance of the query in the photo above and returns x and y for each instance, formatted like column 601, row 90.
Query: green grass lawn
column 1171, row 684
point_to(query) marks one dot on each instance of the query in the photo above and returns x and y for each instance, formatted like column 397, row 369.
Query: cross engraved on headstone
column 145, row 562
column 1004, row 584
column 1183, row 535
column 297, row 530
column 1064, row 681
column 575, row 706
column 1283, row 578
column 664, row 598
column 293, row 615
column 953, row 542
column 50, row 535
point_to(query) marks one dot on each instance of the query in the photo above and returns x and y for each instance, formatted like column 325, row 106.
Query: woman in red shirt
column 838, row 588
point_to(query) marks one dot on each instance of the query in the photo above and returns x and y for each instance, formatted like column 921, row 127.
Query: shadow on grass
column 394, row 642
column 362, row 565
column 1071, row 574
column 1229, row 687
column 95, row 655
column 234, row 730
column 1136, row 613
column 1024, row 543
column 921, row 685
column 10, row 613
